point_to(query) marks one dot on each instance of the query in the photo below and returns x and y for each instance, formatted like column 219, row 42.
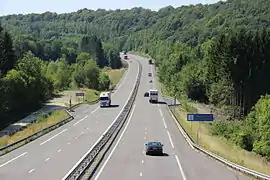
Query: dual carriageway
column 53, row 155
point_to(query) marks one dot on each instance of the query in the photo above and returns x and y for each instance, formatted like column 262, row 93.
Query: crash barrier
column 86, row 167
column 215, row 156
column 34, row 136
column 44, row 131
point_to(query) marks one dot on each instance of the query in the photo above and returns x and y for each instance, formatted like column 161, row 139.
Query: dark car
column 150, row 81
column 146, row 94
column 149, row 74
column 153, row 148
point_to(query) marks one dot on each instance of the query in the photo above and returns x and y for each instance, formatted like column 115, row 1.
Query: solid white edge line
column 80, row 120
column 66, row 175
column 13, row 159
column 170, row 138
column 118, row 141
column 117, row 87
column 180, row 167
column 53, row 137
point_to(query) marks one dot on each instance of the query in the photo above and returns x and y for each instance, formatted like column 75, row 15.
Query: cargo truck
column 105, row 99
column 153, row 96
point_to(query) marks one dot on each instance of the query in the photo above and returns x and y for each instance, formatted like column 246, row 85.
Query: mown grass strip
column 219, row 145
column 42, row 122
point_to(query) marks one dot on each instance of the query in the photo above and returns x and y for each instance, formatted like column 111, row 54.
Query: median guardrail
column 86, row 167
column 21, row 142
column 215, row 156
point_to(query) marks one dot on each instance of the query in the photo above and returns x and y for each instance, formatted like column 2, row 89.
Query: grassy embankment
column 50, row 119
column 216, row 144
column 114, row 74
column 41, row 123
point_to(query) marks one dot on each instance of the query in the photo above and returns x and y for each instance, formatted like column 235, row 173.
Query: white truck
column 153, row 96
column 105, row 99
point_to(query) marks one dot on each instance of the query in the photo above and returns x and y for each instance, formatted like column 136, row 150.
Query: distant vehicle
column 125, row 52
column 150, row 61
column 105, row 99
column 153, row 94
column 125, row 57
column 154, row 147
column 149, row 74
column 151, row 81
column 146, row 94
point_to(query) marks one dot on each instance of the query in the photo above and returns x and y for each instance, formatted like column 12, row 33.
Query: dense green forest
column 30, row 74
column 216, row 54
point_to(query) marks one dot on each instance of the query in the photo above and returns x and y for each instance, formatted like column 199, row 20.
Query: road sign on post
column 80, row 94
column 198, row 118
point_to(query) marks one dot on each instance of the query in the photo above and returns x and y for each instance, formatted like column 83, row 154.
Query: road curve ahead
column 54, row 154
column 148, row 122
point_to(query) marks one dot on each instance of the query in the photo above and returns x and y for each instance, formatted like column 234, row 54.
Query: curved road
column 54, row 154
column 147, row 122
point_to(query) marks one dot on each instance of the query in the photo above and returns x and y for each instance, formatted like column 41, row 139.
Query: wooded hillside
column 217, row 54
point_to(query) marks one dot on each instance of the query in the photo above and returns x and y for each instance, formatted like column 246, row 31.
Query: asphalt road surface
column 148, row 122
column 54, row 154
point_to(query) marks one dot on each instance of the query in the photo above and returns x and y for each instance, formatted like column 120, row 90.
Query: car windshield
column 104, row 98
column 154, row 144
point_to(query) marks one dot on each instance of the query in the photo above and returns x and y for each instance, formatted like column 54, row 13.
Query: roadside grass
column 115, row 75
column 216, row 144
column 91, row 95
column 42, row 122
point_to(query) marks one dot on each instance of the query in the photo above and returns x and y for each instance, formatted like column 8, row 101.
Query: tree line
column 27, row 80
column 216, row 54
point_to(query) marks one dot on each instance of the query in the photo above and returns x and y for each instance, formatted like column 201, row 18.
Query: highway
column 54, row 154
column 148, row 122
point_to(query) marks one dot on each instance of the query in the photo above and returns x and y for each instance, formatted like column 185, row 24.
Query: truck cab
column 105, row 99
column 153, row 96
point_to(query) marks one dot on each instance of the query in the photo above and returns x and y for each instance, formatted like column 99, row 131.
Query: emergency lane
column 54, row 154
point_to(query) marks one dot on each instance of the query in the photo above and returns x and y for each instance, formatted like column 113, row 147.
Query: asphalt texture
column 54, row 154
column 153, row 122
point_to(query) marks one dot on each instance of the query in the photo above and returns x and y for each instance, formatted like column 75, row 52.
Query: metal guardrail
column 80, row 170
column 215, row 156
column 44, row 131
column 30, row 138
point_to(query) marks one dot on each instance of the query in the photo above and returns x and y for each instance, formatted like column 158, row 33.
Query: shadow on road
column 161, row 102
column 112, row 106
column 164, row 154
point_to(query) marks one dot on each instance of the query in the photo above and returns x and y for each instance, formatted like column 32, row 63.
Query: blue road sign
column 200, row 117
column 80, row 94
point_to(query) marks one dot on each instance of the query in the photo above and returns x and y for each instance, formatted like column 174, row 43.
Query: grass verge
column 41, row 123
column 115, row 75
column 216, row 144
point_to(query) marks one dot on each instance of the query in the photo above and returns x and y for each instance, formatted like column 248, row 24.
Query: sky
column 62, row 6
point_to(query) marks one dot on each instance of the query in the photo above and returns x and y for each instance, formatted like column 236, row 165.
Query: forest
column 216, row 54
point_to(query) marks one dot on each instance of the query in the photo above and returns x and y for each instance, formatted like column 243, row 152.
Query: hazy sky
column 60, row 6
